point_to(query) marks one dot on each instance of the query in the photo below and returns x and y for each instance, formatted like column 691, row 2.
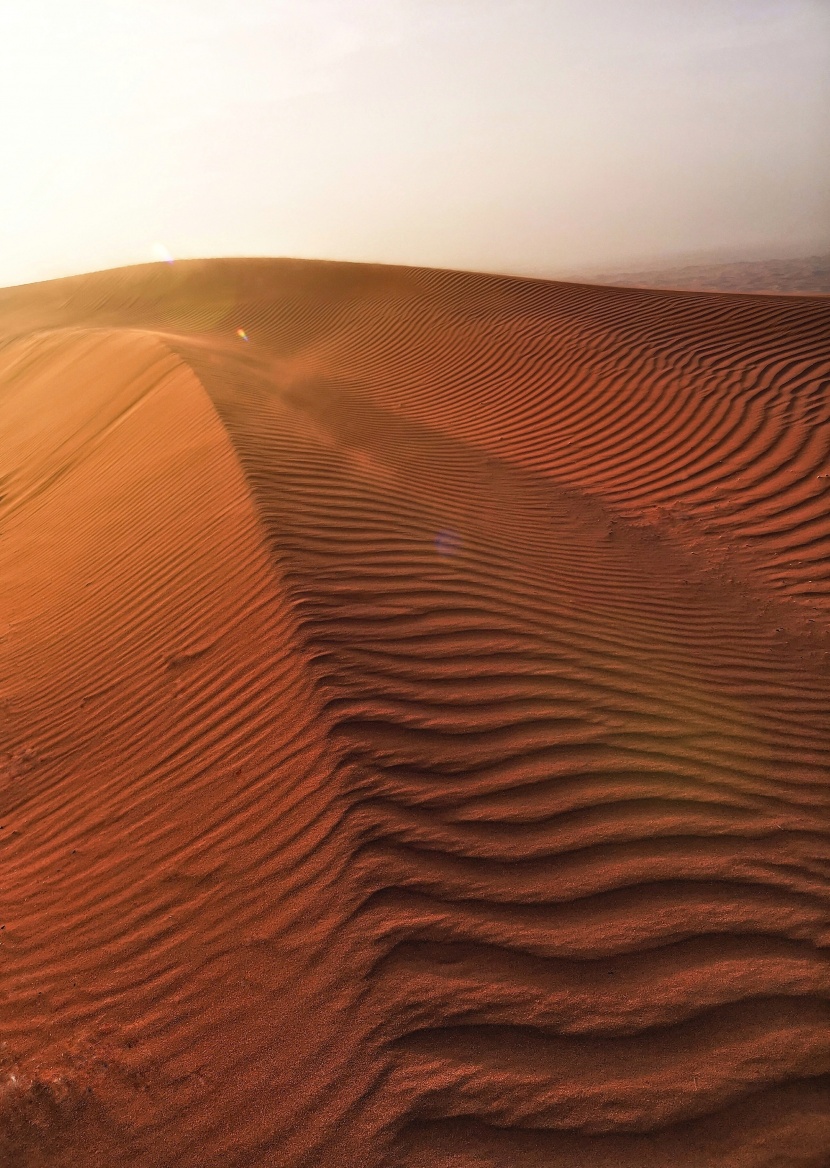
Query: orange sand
column 413, row 722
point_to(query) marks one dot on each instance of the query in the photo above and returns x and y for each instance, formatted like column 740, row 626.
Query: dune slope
column 414, row 744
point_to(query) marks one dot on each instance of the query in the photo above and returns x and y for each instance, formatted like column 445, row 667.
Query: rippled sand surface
column 414, row 722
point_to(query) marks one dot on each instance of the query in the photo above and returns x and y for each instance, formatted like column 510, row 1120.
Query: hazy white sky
column 506, row 135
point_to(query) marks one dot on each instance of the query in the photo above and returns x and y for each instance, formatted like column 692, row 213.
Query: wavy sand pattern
column 414, row 722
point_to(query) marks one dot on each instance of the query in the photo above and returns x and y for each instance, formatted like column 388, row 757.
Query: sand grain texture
column 414, row 722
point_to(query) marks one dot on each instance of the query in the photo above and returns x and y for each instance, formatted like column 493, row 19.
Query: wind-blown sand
column 413, row 722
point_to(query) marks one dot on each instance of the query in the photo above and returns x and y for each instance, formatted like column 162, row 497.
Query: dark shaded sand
column 414, row 722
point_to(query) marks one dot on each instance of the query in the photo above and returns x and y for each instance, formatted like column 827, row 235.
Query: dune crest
column 415, row 744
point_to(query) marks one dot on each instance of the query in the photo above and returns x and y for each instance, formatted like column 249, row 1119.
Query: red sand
column 414, row 722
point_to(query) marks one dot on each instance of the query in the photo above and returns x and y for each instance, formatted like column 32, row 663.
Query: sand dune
column 414, row 743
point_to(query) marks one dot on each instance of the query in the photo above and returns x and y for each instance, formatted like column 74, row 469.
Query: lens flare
column 447, row 542
column 242, row 333
column 160, row 252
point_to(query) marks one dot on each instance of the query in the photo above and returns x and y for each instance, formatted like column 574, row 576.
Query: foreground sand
column 414, row 722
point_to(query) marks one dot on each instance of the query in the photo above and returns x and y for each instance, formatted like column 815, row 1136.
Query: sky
column 523, row 136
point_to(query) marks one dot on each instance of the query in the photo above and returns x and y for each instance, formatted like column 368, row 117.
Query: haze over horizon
column 525, row 136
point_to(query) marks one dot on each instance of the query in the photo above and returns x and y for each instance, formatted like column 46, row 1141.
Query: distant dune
column 810, row 274
column 413, row 722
